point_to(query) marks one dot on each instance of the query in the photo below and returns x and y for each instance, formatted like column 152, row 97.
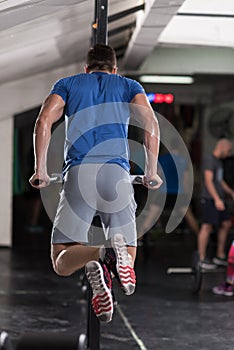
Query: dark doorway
column 31, row 225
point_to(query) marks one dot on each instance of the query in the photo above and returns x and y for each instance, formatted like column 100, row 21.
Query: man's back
column 97, row 116
column 86, row 90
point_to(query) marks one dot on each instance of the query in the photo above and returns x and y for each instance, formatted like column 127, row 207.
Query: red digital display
column 160, row 98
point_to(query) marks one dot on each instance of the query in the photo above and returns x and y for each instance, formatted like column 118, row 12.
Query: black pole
column 93, row 326
column 100, row 22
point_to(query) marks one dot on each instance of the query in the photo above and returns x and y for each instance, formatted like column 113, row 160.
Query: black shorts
column 210, row 215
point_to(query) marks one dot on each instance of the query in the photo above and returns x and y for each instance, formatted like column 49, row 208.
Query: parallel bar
column 93, row 325
column 125, row 13
column 118, row 30
column 196, row 14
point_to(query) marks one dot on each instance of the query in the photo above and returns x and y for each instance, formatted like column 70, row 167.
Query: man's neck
column 100, row 71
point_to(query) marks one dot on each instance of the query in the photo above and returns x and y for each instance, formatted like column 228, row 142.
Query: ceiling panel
column 205, row 31
column 40, row 35
column 201, row 22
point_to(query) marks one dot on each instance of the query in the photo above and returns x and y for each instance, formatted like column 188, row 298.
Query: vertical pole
column 93, row 326
column 100, row 22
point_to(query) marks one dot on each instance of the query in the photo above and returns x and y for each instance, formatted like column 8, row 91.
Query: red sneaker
column 101, row 284
column 119, row 262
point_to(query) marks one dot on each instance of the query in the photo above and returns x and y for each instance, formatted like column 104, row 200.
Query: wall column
column 6, row 163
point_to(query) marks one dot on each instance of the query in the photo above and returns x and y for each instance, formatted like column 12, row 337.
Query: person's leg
column 203, row 237
column 150, row 220
column 132, row 251
column 68, row 258
column 222, row 238
column 230, row 267
column 226, row 288
column 191, row 220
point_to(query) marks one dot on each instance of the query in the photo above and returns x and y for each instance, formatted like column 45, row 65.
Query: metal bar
column 178, row 270
column 197, row 14
column 118, row 30
column 100, row 23
column 125, row 13
column 93, row 327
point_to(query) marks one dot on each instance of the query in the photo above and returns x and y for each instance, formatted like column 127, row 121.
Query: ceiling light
column 166, row 79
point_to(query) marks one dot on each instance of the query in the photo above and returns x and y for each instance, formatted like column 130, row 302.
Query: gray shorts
column 90, row 190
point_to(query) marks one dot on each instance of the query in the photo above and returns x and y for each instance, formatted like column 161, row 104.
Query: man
column 213, row 207
column 97, row 106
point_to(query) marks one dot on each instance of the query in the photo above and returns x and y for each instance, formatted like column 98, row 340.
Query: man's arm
column 145, row 116
column 51, row 111
column 208, row 178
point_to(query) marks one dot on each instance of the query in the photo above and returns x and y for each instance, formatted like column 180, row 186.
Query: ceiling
column 41, row 35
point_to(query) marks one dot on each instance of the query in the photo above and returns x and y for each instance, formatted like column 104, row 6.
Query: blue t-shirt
column 96, row 117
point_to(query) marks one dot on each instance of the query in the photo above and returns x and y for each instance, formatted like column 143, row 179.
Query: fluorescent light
column 166, row 79
column 207, row 6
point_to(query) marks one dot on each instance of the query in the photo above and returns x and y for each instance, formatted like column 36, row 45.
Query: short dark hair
column 101, row 57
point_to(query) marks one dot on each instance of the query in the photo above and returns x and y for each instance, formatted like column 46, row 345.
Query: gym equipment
column 52, row 341
column 55, row 177
column 40, row 341
column 99, row 26
column 138, row 179
column 90, row 340
column 195, row 271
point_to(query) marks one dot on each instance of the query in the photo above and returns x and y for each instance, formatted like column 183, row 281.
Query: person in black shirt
column 213, row 208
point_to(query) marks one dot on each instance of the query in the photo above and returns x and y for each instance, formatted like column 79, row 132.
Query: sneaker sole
column 220, row 263
column 124, row 269
column 224, row 293
column 208, row 267
column 101, row 293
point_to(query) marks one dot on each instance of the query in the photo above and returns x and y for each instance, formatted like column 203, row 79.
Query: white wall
column 16, row 97
column 6, row 161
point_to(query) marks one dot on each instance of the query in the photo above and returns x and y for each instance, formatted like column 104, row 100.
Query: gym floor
column 163, row 314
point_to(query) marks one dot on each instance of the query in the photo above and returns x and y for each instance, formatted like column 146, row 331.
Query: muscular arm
column 51, row 111
column 145, row 116
column 208, row 174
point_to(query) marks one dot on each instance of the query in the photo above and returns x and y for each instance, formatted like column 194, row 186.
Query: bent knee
column 61, row 270
column 226, row 224
column 59, row 265
column 206, row 228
